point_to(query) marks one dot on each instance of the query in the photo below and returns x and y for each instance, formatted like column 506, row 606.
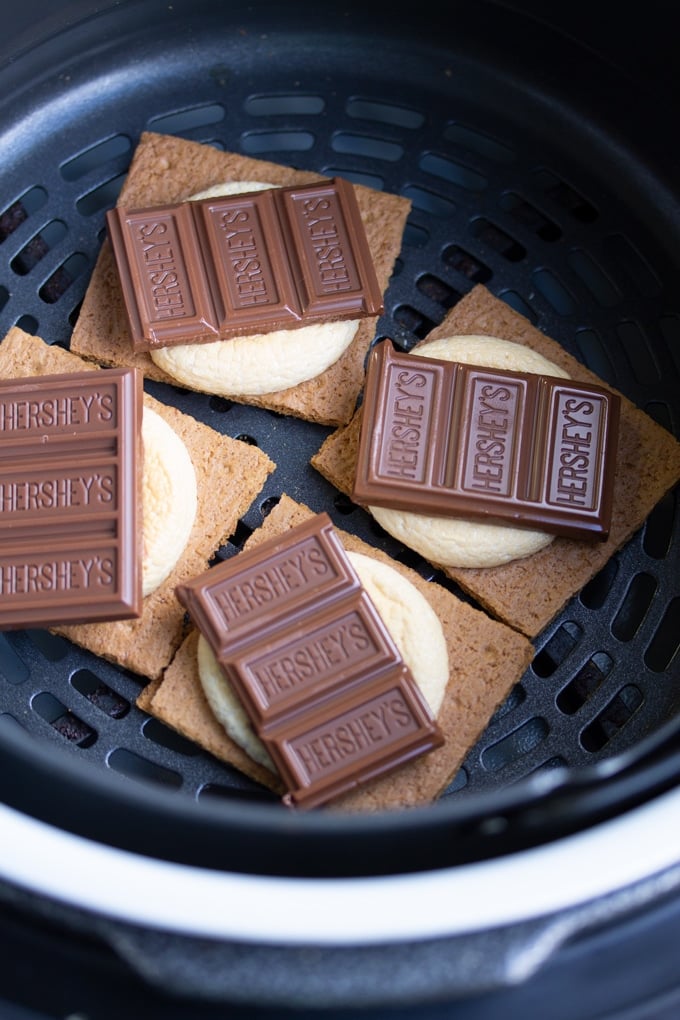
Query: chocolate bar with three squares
column 312, row 662
column 70, row 543
column 493, row 445
column 251, row 263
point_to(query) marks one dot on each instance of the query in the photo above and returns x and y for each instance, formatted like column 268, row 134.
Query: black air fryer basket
column 536, row 165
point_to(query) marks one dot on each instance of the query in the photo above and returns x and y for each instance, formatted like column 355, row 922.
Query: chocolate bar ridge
column 455, row 440
column 218, row 268
column 312, row 662
column 70, row 525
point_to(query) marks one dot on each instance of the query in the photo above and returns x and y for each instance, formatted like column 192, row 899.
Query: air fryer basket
column 541, row 177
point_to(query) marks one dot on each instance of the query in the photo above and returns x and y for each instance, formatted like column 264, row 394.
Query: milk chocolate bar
column 315, row 667
column 456, row 440
column 69, row 528
column 217, row 268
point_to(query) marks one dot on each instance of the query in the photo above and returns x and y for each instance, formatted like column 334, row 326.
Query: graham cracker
column 167, row 169
column 229, row 475
column 486, row 659
column 528, row 593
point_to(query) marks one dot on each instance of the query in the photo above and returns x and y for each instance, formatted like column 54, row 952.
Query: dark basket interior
column 537, row 169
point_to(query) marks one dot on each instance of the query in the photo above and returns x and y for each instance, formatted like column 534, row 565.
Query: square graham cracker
column 229, row 475
column 167, row 169
column 486, row 659
column 528, row 593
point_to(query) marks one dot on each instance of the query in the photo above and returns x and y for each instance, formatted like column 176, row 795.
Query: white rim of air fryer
column 187, row 900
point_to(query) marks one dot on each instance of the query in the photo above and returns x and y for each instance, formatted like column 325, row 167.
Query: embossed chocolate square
column 312, row 662
column 493, row 445
column 349, row 741
column 70, row 544
column 216, row 268
column 247, row 596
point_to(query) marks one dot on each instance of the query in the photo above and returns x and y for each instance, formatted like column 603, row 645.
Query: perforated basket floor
column 541, row 190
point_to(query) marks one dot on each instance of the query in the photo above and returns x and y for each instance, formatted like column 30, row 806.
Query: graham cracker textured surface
column 528, row 593
column 167, row 169
column 486, row 659
column 229, row 475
